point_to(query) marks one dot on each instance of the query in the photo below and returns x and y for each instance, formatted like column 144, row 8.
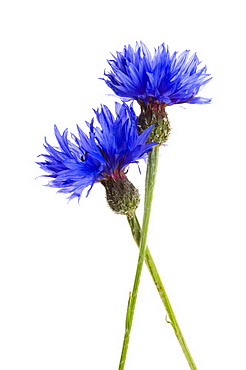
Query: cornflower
column 103, row 156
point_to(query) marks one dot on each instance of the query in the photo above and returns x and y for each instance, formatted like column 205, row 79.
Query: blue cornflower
column 102, row 156
column 163, row 78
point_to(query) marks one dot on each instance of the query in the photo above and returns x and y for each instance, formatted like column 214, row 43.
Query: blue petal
column 109, row 147
column 171, row 79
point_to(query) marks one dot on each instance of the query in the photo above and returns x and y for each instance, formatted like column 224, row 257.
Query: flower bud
column 122, row 196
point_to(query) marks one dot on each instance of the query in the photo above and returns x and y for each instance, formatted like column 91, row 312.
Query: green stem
column 149, row 188
column 136, row 232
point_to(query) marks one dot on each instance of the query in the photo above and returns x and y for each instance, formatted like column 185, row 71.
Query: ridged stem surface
column 136, row 232
column 149, row 188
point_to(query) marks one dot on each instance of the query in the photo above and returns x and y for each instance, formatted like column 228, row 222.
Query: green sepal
column 122, row 196
column 154, row 114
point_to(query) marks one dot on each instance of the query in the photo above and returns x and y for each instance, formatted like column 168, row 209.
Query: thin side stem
column 136, row 232
column 149, row 188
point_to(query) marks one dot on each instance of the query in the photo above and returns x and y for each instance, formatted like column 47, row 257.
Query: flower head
column 162, row 78
column 102, row 155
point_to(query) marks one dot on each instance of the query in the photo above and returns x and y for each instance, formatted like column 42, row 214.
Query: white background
column 66, row 269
